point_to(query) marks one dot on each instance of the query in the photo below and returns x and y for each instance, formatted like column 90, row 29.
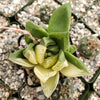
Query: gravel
column 92, row 18
column 78, row 87
column 94, row 97
column 97, row 85
column 13, row 99
column 3, row 21
column 23, row 17
column 29, row 93
column 4, row 93
column 13, row 75
column 76, row 33
column 34, row 9
column 10, row 73
column 29, row 15
column 79, row 7
column 32, row 12
column 9, row 7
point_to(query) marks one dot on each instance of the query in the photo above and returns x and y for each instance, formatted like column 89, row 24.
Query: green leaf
column 18, row 58
column 50, row 85
column 40, row 51
column 60, row 20
column 72, row 49
column 75, row 61
column 62, row 39
column 43, row 73
column 54, row 49
column 48, row 41
column 17, row 54
column 35, row 30
column 61, row 63
column 72, row 71
column 29, row 53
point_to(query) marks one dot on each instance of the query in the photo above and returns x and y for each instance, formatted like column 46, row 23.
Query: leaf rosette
column 53, row 55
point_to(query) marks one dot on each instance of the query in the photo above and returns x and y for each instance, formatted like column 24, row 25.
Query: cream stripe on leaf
column 30, row 54
column 40, row 51
column 73, row 71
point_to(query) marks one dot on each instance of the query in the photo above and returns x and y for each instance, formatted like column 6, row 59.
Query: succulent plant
column 89, row 46
column 53, row 54
column 64, row 90
column 46, row 12
column 45, row 67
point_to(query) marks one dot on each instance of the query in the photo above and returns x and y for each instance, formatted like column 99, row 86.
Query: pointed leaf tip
column 61, row 63
column 60, row 20
column 73, row 71
column 50, row 85
column 29, row 53
column 18, row 58
column 76, row 62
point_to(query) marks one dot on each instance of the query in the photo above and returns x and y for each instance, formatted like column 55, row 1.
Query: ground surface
column 14, row 13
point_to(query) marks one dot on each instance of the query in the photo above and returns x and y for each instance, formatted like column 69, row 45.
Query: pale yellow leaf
column 50, row 85
column 22, row 62
column 40, row 53
column 43, row 73
column 30, row 55
column 50, row 61
column 73, row 71
column 60, row 65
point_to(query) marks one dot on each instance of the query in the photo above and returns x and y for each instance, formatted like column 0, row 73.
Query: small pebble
column 29, row 81
column 38, row 89
column 7, row 94
column 41, row 97
column 0, row 50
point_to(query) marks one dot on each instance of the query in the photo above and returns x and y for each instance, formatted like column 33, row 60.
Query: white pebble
column 7, row 94
column 38, row 89
column 41, row 97
column 30, row 81
column 19, row 71
column 21, row 76
column 0, row 50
